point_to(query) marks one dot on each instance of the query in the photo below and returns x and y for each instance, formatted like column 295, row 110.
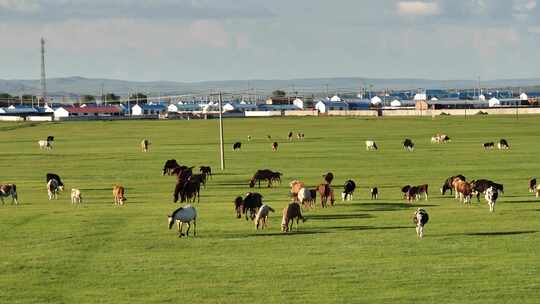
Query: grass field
column 362, row 251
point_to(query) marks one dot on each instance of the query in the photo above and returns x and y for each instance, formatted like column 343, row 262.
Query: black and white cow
column 503, row 144
column 420, row 218
column 481, row 185
column 489, row 145
column 348, row 190
column 9, row 190
column 491, row 197
column 408, row 144
column 236, row 146
column 371, row 145
column 374, row 193
column 54, row 176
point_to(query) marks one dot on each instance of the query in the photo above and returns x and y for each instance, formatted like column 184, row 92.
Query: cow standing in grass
column 420, row 218
column 145, row 145
column 371, row 145
column 290, row 213
column 408, row 144
column 119, row 195
column 491, row 197
column 532, row 184
column 348, row 190
column 52, row 189
column 9, row 190
column 503, row 144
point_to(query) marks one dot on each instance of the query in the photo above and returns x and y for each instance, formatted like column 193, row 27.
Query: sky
column 201, row 40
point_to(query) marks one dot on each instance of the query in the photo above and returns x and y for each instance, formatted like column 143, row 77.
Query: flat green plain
column 363, row 251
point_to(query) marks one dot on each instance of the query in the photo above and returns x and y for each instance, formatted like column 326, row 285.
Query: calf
column 274, row 146
column 206, row 170
column 371, row 145
column 236, row 146
column 119, row 195
column 532, row 184
column 76, row 197
column 307, row 197
column 198, row 178
column 348, row 190
column 491, row 197
column 328, row 177
column 489, row 145
column 503, row 144
column 296, row 185
column 261, row 218
column 374, row 193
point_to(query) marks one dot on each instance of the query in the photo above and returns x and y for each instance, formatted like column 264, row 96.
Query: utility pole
column 43, row 79
column 221, row 148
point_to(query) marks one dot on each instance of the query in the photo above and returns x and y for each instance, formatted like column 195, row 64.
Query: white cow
column 261, row 218
column 53, row 189
column 45, row 144
column 371, row 145
column 76, row 197
column 420, row 218
column 182, row 215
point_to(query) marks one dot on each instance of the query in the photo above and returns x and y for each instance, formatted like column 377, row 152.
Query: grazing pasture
column 359, row 251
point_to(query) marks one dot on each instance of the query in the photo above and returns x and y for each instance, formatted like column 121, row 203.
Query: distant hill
column 80, row 85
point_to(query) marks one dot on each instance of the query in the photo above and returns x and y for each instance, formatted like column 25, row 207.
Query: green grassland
column 362, row 251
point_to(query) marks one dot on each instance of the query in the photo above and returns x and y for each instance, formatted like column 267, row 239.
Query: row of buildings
column 420, row 101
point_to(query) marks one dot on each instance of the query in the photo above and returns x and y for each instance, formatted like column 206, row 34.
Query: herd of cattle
column 188, row 186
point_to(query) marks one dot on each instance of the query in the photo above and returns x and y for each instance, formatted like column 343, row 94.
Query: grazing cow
column 348, row 190
column 188, row 191
column 261, row 219
column 532, row 184
column 412, row 194
column 408, row 144
column 420, row 218
column 276, row 177
column 9, row 190
column 251, row 202
column 464, row 190
column 440, row 138
column 145, row 144
column 326, row 192
column 50, row 176
column 169, row 166
column 298, row 136
column 76, row 197
column 262, row 175
column 307, row 197
column 182, row 173
column 489, row 145
column 249, row 138
column 448, row 183
column 405, row 190
column 50, row 138
column 491, row 197
column 119, row 195
column 291, row 212
column 374, row 193
column 371, row 145
column 206, row 170
column 328, row 177
column 52, row 189
column 236, row 146
column 290, row 135
column 423, row 189
column 45, row 144
column 183, row 215
column 274, row 146
column 503, row 144
column 481, row 185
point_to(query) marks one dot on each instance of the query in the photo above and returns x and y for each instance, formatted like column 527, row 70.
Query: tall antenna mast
column 43, row 79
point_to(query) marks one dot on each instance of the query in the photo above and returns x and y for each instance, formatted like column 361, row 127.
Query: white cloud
column 23, row 6
column 524, row 5
column 418, row 8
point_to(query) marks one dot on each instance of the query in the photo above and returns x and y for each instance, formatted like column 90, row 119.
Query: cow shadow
column 361, row 227
column 390, row 206
column 521, row 202
column 316, row 217
column 280, row 234
column 500, row 233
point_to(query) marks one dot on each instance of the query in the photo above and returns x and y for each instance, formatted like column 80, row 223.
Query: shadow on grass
column 390, row 206
column 356, row 228
column 291, row 233
column 500, row 233
column 521, row 202
column 316, row 217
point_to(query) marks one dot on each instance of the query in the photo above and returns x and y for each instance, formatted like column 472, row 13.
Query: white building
column 494, row 102
column 299, row 103
column 523, row 97
column 395, row 103
column 376, row 100
column 324, row 106
column 420, row 97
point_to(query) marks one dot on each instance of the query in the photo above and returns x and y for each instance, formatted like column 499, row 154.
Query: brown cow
column 326, row 192
column 532, row 184
column 464, row 190
column 274, row 146
column 296, row 185
column 9, row 190
column 145, row 144
column 119, row 195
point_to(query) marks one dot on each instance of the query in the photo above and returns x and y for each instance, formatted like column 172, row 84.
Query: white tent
column 376, row 100
column 335, row 98
column 494, row 102
column 523, row 96
column 482, row 97
column 395, row 103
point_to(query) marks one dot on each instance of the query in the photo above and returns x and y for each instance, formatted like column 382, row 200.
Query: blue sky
column 198, row 40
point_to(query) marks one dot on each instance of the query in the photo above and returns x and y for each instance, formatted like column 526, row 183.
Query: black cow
column 251, row 202
column 169, row 166
column 374, row 193
column 206, row 170
column 348, row 190
column 57, row 178
column 50, row 138
column 448, row 183
column 236, row 146
column 290, row 135
column 328, row 177
column 405, row 189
